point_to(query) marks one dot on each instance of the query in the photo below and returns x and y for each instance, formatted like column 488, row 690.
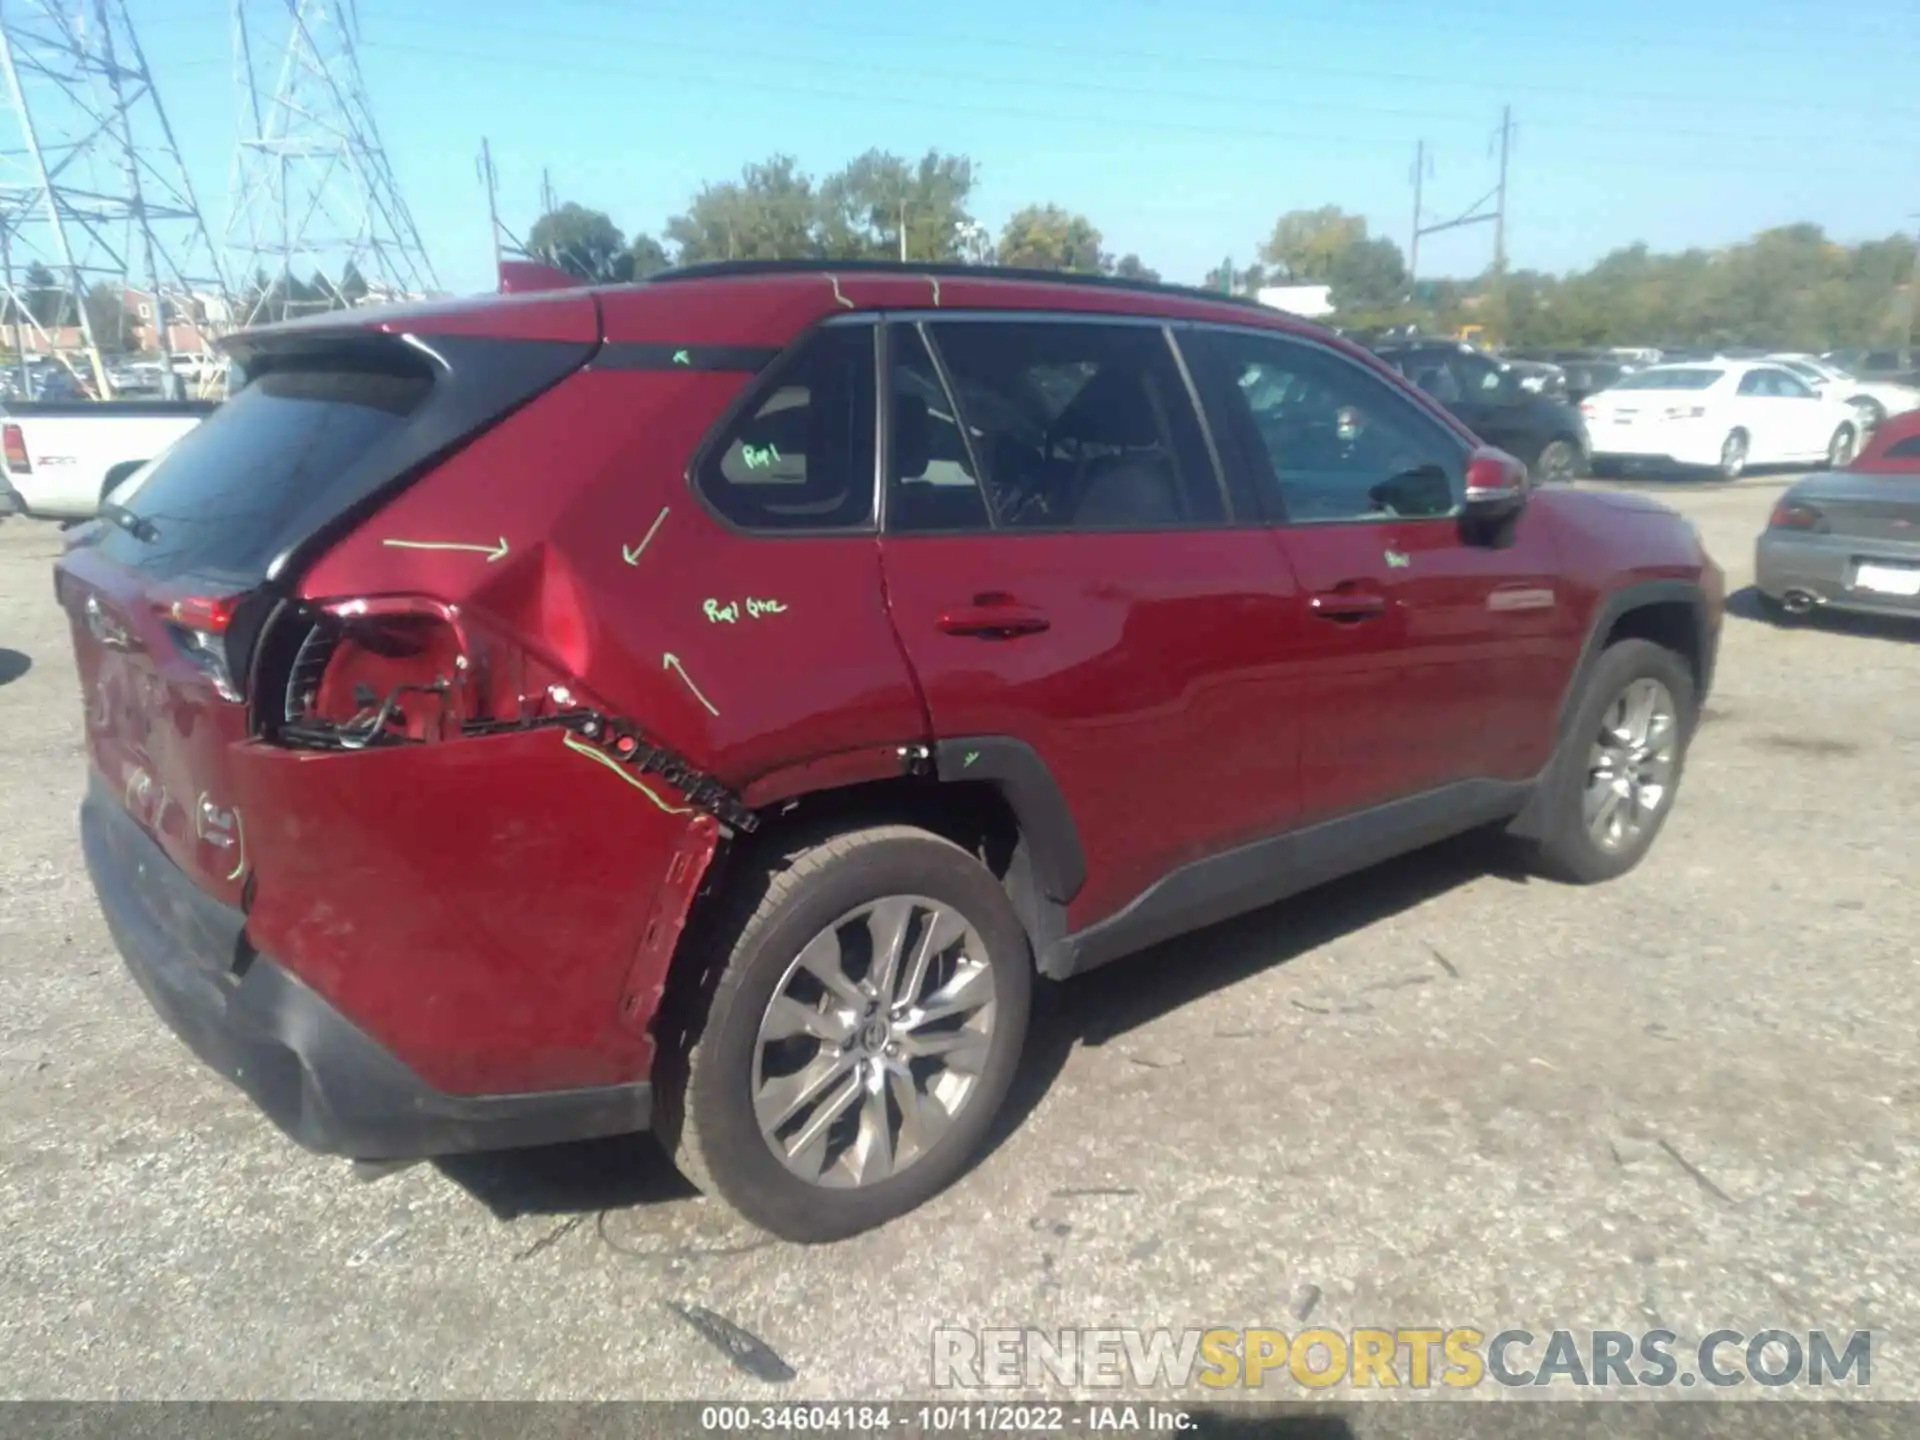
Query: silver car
column 1848, row 540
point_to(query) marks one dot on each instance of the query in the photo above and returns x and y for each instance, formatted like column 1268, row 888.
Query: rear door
column 1064, row 569
column 1431, row 659
column 1769, row 423
column 1808, row 420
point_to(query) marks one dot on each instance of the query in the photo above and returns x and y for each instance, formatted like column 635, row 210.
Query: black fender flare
column 1624, row 601
column 1049, row 865
column 1608, row 613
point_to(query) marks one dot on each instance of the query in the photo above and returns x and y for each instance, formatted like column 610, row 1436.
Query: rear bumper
column 316, row 1074
column 1677, row 444
column 1826, row 567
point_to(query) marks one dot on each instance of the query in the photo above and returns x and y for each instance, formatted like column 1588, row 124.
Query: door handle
column 1349, row 607
column 994, row 621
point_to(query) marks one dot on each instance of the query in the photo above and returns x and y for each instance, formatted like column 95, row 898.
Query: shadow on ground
column 629, row 1171
column 13, row 664
column 1747, row 603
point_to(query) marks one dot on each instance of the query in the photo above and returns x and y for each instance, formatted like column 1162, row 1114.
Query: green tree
column 770, row 213
column 1131, row 267
column 1230, row 279
column 1047, row 237
column 864, row 206
column 581, row 242
column 646, row 256
column 1369, row 274
column 1306, row 245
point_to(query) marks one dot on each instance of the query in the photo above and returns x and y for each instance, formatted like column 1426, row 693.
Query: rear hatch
column 168, row 593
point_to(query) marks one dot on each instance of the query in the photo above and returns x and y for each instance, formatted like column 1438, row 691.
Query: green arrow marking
column 671, row 661
column 492, row 552
column 631, row 554
column 620, row 770
column 680, row 357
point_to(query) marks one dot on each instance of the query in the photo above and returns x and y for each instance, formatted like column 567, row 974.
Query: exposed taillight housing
column 399, row 669
column 1797, row 515
column 18, row 461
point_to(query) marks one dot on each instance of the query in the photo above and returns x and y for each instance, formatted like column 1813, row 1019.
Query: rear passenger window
column 801, row 455
column 1078, row 425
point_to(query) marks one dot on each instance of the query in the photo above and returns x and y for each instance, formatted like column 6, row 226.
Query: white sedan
column 1723, row 415
column 1874, row 399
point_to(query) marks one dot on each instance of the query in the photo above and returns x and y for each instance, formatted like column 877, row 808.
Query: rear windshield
column 231, row 493
column 1677, row 379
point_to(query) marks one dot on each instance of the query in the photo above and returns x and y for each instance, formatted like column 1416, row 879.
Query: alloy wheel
column 1630, row 764
column 874, row 1041
column 1840, row 448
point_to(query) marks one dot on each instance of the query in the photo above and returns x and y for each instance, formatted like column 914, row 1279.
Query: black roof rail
column 722, row 269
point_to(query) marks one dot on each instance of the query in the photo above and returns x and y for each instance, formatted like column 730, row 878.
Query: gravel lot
column 1435, row 1094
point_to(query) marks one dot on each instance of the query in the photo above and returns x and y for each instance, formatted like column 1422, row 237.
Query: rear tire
column 1577, row 841
column 1733, row 455
column 740, row 1059
column 1840, row 448
column 1558, row 463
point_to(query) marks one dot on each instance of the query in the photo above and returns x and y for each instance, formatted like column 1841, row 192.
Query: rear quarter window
column 799, row 455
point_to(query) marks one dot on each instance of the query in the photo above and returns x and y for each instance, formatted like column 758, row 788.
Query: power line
column 1321, row 140
column 1156, row 92
column 1161, row 61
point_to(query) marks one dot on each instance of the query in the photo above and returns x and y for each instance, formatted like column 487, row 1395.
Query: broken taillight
column 393, row 670
column 353, row 674
column 198, row 625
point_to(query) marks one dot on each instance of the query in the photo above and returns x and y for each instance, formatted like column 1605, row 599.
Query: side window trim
column 952, row 392
column 1227, row 507
column 752, row 394
column 1272, row 497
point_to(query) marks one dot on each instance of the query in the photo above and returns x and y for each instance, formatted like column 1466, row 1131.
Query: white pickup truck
column 63, row 457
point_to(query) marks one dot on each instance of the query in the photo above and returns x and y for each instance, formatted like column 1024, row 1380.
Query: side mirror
column 1497, row 486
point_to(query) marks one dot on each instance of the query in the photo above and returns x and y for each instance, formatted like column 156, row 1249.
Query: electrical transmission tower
column 317, row 213
column 93, row 194
column 1475, row 214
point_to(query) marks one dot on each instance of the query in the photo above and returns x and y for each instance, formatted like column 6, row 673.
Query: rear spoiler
column 520, row 277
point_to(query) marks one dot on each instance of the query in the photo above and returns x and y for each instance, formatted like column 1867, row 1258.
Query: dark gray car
column 1843, row 541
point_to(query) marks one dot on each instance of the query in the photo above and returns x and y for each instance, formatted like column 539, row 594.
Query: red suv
column 705, row 705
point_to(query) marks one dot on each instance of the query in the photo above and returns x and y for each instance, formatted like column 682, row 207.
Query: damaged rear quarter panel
column 474, row 905
column 501, row 911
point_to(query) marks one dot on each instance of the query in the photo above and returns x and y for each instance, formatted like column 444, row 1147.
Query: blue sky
column 1181, row 129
